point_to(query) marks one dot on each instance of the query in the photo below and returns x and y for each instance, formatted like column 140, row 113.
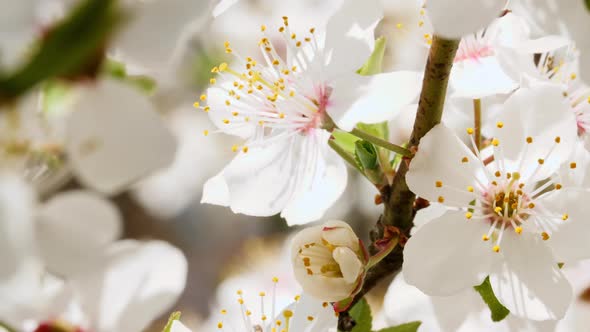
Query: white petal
column 177, row 326
column 151, row 36
column 528, row 282
column 223, row 6
column 467, row 83
column 269, row 172
column 140, row 283
column 350, row 265
column 319, row 185
column 324, row 318
column 220, row 112
column 451, row 249
column 434, row 164
column 372, row 99
column 350, row 36
column 570, row 241
column 215, row 191
column 520, row 118
column 339, row 233
column 17, row 27
column 457, row 18
column 17, row 237
column 73, row 230
column 115, row 137
column 543, row 44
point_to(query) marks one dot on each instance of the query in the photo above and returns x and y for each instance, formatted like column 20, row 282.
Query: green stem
column 381, row 143
column 345, row 155
column 477, row 122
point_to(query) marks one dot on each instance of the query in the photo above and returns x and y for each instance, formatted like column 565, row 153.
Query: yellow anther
column 545, row 236
column 288, row 313
column 470, row 189
column 573, row 76
column 541, row 161
column 573, row 165
column 223, row 67
column 310, row 318
column 558, row 186
column 220, row 325
column 518, row 230
column 196, row 104
column 498, row 174
column 529, row 140
column 212, row 81
column 262, row 294
column 275, row 62
column 495, row 142
column 282, row 29
column 565, row 217
column 263, row 318
column 312, row 30
column 248, row 313
column 297, row 298
column 263, row 28
column 206, row 132
column 226, row 121
column 241, row 301
column 485, row 237
column 245, row 149
column 464, row 160
column 275, row 279
column 531, row 205
column 468, row 215
column 499, row 124
column 498, row 209
column 223, row 311
column 325, row 304
column 496, row 248
column 234, row 148
column 203, row 97
column 438, row 184
column 399, row 25
column 421, row 23
column 470, row 131
column 441, row 199
column 557, row 139
column 282, row 115
column 239, row 292
column 235, row 113
column 206, row 108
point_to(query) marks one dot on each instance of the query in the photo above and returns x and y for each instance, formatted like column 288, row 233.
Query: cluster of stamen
column 274, row 95
column 506, row 201
column 317, row 259
column 263, row 323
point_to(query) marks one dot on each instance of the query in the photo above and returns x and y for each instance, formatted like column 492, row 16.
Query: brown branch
column 399, row 200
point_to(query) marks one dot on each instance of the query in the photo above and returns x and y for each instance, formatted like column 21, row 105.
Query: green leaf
column 380, row 130
column 587, row 4
column 173, row 317
column 499, row 312
column 366, row 155
column 117, row 70
column 345, row 140
column 374, row 64
column 361, row 313
column 408, row 327
column 72, row 47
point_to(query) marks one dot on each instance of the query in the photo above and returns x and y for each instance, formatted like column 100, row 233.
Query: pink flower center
column 57, row 326
column 473, row 50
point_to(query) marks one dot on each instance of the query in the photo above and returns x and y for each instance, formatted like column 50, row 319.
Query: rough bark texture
column 399, row 207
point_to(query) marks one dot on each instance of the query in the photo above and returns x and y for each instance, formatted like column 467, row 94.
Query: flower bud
column 328, row 261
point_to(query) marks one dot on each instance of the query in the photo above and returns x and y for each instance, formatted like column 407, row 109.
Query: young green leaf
column 173, row 317
column 380, row 130
column 407, row 327
column 499, row 312
column 366, row 155
column 345, row 140
column 71, row 47
column 374, row 64
column 361, row 313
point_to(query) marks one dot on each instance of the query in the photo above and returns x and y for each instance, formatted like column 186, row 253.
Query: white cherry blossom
column 281, row 105
column 507, row 217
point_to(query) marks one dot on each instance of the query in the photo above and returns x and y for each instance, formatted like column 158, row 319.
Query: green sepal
column 407, row 327
column 366, row 155
column 499, row 311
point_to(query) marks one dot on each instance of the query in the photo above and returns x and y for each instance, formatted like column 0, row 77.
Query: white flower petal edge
column 528, row 282
column 131, row 291
column 74, row 229
column 115, row 137
column 457, row 18
column 177, row 326
column 448, row 247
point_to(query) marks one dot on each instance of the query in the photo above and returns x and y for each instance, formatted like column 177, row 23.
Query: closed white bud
column 328, row 261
